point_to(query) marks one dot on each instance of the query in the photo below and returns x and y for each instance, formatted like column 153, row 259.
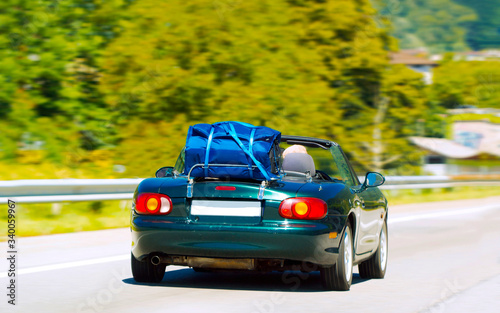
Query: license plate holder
column 226, row 212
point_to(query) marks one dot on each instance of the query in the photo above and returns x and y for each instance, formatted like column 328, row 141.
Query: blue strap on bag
column 207, row 153
column 233, row 134
column 250, row 148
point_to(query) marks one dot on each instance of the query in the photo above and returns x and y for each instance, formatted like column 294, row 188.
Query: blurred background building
column 416, row 60
column 473, row 146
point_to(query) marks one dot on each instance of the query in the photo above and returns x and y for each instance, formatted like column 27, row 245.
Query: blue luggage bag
column 232, row 150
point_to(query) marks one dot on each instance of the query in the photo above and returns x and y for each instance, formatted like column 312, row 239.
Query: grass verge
column 46, row 218
column 396, row 197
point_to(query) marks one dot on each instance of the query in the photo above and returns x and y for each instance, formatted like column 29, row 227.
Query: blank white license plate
column 226, row 208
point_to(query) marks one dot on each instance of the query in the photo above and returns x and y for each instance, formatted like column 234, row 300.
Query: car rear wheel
column 339, row 276
column 145, row 272
column 376, row 265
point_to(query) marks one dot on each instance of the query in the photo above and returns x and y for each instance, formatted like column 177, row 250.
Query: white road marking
column 127, row 256
column 444, row 213
column 60, row 266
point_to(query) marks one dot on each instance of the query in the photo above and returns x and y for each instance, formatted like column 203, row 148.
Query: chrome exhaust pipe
column 155, row 260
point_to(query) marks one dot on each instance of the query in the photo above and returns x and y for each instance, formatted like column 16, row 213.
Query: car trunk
column 236, row 202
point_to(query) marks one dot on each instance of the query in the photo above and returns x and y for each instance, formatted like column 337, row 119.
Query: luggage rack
column 191, row 180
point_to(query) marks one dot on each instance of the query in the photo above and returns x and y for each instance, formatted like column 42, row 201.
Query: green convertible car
column 314, row 215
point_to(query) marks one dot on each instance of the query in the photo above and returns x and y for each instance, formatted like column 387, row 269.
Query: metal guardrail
column 62, row 190
column 59, row 190
column 431, row 182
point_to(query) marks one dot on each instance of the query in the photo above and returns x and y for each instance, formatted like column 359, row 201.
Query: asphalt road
column 443, row 257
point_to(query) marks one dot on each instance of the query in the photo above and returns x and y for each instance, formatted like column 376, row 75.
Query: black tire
column 376, row 265
column 145, row 272
column 339, row 276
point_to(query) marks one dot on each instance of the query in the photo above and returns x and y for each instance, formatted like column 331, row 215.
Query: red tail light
column 153, row 204
column 303, row 208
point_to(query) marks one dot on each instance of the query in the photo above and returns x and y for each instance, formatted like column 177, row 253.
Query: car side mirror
column 373, row 179
column 166, row 171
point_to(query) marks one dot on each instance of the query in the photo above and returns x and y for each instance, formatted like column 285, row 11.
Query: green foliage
column 242, row 64
column 484, row 32
column 377, row 129
column 437, row 24
column 474, row 83
column 475, row 117
column 435, row 122
column 91, row 84
column 48, row 74
column 314, row 69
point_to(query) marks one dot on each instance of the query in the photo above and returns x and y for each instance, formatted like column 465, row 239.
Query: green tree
column 208, row 63
column 377, row 131
column 97, row 83
column 467, row 83
column 304, row 67
column 484, row 32
column 439, row 25
column 49, row 78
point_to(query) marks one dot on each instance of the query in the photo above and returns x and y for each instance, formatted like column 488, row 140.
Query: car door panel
column 371, row 219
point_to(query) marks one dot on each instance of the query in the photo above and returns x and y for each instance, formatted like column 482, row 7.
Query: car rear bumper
column 309, row 241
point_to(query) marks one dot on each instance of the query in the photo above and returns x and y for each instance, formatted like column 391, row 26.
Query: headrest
column 299, row 162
